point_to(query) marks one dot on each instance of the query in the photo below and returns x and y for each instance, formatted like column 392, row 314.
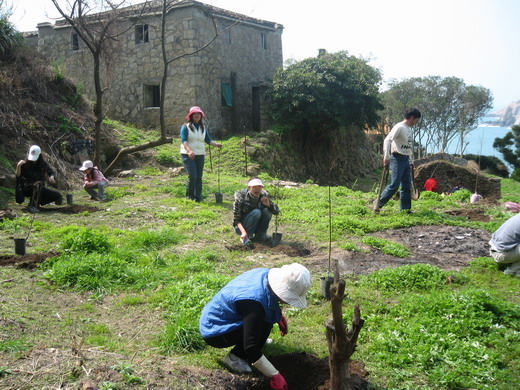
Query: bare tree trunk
column 342, row 342
column 132, row 149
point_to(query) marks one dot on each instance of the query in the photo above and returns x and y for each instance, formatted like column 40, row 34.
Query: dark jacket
column 245, row 203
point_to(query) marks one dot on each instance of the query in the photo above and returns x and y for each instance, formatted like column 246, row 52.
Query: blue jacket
column 220, row 315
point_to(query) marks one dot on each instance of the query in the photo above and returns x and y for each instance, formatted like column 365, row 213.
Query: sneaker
column 237, row 364
column 513, row 269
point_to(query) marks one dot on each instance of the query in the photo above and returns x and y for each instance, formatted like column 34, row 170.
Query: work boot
column 237, row 364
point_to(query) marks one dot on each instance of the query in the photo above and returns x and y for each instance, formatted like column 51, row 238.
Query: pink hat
column 193, row 110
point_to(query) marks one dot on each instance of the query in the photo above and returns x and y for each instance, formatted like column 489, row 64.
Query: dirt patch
column 471, row 214
column 291, row 249
column 446, row 247
column 28, row 261
column 74, row 209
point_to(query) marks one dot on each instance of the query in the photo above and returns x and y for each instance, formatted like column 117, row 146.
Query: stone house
column 228, row 79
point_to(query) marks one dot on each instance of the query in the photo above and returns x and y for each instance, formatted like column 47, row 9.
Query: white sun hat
column 86, row 165
column 290, row 283
column 255, row 182
column 34, row 153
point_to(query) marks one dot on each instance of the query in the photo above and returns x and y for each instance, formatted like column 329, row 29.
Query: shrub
column 387, row 247
column 407, row 277
column 86, row 240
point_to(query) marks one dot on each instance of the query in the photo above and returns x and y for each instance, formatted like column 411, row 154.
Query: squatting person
column 505, row 245
column 242, row 314
column 31, row 175
column 252, row 212
column 94, row 179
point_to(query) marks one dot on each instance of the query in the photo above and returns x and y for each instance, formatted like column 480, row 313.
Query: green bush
column 407, row 277
column 386, row 246
column 462, row 195
column 445, row 340
column 168, row 156
column 86, row 240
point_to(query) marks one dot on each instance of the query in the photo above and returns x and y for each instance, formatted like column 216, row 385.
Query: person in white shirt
column 398, row 157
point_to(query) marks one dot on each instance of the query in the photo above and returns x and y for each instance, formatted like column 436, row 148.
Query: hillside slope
column 39, row 106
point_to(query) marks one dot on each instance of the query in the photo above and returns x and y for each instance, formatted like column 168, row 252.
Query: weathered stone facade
column 244, row 60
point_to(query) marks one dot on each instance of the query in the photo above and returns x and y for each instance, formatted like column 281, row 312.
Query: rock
column 129, row 173
column 174, row 172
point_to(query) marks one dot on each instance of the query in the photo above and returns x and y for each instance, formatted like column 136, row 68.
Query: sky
column 475, row 40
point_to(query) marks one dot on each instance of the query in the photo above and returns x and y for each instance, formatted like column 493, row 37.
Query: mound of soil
column 29, row 261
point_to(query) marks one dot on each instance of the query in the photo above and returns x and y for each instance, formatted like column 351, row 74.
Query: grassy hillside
column 118, row 298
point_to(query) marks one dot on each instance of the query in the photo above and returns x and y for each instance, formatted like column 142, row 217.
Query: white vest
column 195, row 140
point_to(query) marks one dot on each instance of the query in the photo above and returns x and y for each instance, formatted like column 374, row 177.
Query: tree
column 449, row 108
column 342, row 342
column 10, row 38
column 99, row 24
column 512, row 156
column 313, row 98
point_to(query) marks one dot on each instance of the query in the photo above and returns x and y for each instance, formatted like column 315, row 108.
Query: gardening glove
column 284, row 328
column 278, row 382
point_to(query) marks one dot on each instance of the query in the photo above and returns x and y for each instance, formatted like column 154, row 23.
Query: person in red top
column 94, row 179
column 430, row 184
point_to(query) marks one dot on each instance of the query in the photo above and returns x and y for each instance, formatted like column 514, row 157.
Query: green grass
column 149, row 250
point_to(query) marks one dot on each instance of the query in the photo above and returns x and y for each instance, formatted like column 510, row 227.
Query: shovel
column 415, row 191
column 382, row 183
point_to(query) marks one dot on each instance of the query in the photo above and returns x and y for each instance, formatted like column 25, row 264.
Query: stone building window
column 226, row 94
column 75, row 42
column 227, row 35
column 263, row 37
column 141, row 33
column 152, row 95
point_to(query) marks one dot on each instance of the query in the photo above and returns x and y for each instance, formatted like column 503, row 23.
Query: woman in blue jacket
column 244, row 311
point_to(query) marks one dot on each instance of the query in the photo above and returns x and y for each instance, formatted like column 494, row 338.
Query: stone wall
column 193, row 80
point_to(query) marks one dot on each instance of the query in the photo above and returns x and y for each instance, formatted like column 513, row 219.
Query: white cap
column 86, row 165
column 255, row 182
column 34, row 153
column 290, row 283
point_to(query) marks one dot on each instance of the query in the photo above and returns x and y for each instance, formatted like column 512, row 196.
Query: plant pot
column 326, row 282
column 276, row 239
column 218, row 197
column 70, row 201
column 19, row 246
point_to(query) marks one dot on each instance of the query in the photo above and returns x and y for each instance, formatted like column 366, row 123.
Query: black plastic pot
column 218, row 197
column 326, row 282
column 70, row 200
column 276, row 239
column 19, row 246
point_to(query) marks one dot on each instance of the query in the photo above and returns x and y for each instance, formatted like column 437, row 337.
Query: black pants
column 236, row 338
column 46, row 196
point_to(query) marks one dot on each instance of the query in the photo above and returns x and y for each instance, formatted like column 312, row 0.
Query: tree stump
column 341, row 341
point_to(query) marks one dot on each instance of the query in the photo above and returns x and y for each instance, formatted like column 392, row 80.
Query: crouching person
column 242, row 314
column 31, row 175
column 505, row 245
column 93, row 180
column 252, row 212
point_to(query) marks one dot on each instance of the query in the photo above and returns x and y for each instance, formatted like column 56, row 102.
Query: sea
column 480, row 141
